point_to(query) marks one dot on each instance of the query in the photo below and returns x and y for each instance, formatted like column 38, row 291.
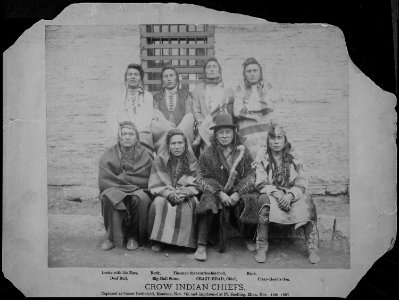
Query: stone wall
column 307, row 64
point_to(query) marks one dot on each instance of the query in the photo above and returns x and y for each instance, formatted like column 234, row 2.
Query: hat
column 276, row 129
column 223, row 120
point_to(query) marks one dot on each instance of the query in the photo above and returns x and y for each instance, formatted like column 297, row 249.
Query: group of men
column 188, row 168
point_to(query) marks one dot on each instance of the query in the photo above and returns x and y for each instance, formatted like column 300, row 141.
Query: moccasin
column 132, row 244
column 107, row 245
column 200, row 254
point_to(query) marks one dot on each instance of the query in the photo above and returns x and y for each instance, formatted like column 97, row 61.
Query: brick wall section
column 307, row 64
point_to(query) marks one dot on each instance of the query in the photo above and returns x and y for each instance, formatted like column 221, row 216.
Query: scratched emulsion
column 307, row 64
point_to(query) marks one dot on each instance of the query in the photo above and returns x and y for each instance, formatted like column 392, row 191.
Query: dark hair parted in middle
column 137, row 67
column 176, row 131
column 208, row 61
column 177, row 166
column 170, row 68
column 251, row 61
column 281, row 177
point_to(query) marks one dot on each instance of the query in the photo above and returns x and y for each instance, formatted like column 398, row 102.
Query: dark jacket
column 184, row 105
column 213, row 174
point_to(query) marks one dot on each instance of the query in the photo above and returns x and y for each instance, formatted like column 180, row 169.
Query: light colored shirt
column 214, row 96
column 138, row 108
column 253, row 102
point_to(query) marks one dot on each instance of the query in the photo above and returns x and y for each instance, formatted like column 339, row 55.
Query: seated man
column 172, row 214
column 227, row 181
column 123, row 176
column 282, row 183
column 173, row 108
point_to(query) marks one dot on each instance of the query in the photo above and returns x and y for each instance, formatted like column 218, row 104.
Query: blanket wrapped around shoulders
column 119, row 178
column 173, row 223
column 160, row 183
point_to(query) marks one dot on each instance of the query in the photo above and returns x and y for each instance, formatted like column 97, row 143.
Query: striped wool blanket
column 173, row 223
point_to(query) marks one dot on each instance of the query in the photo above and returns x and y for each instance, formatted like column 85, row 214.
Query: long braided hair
column 177, row 166
column 281, row 175
column 137, row 67
column 176, row 73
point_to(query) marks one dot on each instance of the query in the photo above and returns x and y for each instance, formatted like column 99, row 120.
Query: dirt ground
column 76, row 232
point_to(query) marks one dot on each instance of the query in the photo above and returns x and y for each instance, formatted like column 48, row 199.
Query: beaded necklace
column 171, row 99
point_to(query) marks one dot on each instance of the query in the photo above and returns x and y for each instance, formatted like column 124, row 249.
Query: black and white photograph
column 185, row 145
column 183, row 151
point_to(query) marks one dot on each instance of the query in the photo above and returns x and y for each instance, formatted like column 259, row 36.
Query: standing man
column 135, row 105
column 209, row 99
column 173, row 108
column 253, row 105
column 123, row 176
